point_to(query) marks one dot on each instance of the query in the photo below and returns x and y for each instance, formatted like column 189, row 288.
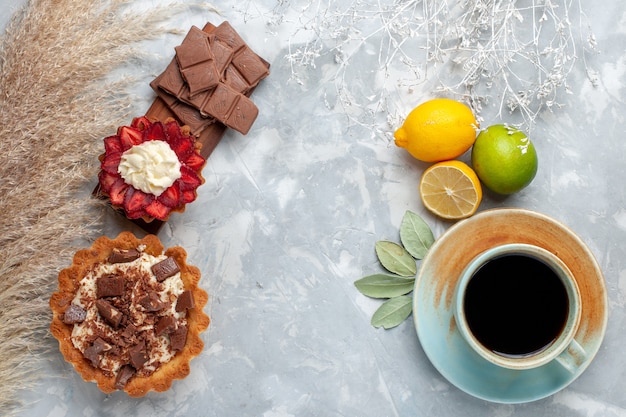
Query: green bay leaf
column 395, row 258
column 384, row 285
column 393, row 312
column 415, row 235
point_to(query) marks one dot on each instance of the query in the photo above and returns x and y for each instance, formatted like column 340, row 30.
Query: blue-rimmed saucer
column 433, row 308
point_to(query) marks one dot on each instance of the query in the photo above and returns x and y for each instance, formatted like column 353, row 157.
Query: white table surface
column 289, row 215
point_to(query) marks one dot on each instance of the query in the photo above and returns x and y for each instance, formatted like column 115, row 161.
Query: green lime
column 504, row 159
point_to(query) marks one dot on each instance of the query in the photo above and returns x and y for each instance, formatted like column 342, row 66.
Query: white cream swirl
column 151, row 167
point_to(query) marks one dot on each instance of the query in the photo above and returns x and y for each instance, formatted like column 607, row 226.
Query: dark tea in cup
column 516, row 305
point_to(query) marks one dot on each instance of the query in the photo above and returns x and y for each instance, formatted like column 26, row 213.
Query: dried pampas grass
column 55, row 111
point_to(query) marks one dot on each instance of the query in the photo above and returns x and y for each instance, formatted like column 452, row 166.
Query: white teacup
column 487, row 333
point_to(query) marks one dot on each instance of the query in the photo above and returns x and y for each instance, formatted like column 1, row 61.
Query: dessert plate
column 433, row 309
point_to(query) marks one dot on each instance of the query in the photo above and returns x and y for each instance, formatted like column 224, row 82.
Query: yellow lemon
column 504, row 159
column 451, row 190
column 437, row 130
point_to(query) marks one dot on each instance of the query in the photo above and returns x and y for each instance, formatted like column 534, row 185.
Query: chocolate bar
column 226, row 102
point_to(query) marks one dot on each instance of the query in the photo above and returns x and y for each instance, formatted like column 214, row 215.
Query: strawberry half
column 140, row 123
column 137, row 203
column 181, row 144
column 189, row 180
column 112, row 144
column 195, row 162
column 106, row 180
column 154, row 132
column 129, row 137
column 172, row 197
column 189, row 196
column 158, row 210
column 118, row 191
column 111, row 162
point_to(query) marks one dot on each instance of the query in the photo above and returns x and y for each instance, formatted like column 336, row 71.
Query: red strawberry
column 183, row 145
column 111, row 162
column 158, row 210
column 129, row 137
column 141, row 123
column 189, row 180
column 172, row 129
column 189, row 196
column 117, row 191
column 171, row 197
column 106, row 180
column 195, row 161
column 135, row 201
column 112, row 144
column 154, row 132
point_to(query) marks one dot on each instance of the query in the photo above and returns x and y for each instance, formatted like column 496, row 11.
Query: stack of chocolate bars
column 208, row 83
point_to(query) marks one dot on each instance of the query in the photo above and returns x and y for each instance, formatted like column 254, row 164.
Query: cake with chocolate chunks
column 128, row 315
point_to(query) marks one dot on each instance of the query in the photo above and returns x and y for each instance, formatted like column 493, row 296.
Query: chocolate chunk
column 101, row 344
column 120, row 256
column 151, row 302
column 92, row 356
column 178, row 338
column 185, row 301
column 92, row 353
column 129, row 331
column 74, row 314
column 138, row 355
column 110, row 286
column 166, row 324
column 112, row 315
column 125, row 373
column 165, row 269
column 128, row 335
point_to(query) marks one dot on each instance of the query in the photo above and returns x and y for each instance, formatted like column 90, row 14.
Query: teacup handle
column 572, row 357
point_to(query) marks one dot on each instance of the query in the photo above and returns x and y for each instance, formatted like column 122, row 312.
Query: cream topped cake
column 128, row 315
column 150, row 169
